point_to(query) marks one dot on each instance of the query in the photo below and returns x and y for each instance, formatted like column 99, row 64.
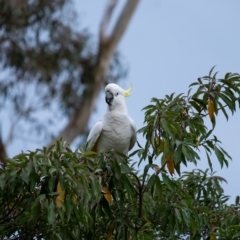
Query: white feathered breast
column 116, row 133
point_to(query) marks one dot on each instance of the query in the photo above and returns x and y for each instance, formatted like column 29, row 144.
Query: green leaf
column 51, row 213
column 151, row 106
column 167, row 127
column 125, row 168
column 209, row 161
column 210, row 72
column 194, row 227
column 58, row 236
column 128, row 186
column 237, row 200
column 227, row 75
column 35, row 211
column 146, row 168
column 219, row 155
column 223, row 109
column 59, row 146
column 95, row 186
column 12, row 162
column 169, row 183
column 194, row 84
column 226, row 153
column 117, row 169
column 52, row 184
column 189, row 153
column 50, row 148
column 52, row 170
column 157, row 187
column 178, row 214
column 229, row 102
column 2, row 180
column 151, row 181
column 69, row 208
column 195, row 105
column 34, row 179
column 40, row 197
column 133, row 153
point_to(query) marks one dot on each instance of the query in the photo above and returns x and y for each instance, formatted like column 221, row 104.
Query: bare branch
column 79, row 120
column 11, row 133
column 3, row 153
column 106, row 19
column 123, row 21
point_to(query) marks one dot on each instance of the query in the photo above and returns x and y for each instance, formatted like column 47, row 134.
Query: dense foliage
column 55, row 193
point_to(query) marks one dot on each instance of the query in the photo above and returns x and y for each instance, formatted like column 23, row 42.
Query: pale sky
column 167, row 46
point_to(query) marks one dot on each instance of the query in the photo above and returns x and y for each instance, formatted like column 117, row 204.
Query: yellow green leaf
column 60, row 198
column 211, row 109
column 212, row 237
column 197, row 142
column 89, row 153
column 157, row 169
column 74, row 199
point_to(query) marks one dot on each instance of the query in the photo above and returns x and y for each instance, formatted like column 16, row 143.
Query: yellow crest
column 127, row 93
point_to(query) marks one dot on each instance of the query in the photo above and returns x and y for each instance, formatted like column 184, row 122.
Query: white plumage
column 116, row 130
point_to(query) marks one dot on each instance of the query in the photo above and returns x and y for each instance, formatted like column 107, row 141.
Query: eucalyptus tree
column 59, row 193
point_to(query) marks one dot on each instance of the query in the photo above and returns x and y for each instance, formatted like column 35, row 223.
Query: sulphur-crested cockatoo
column 116, row 131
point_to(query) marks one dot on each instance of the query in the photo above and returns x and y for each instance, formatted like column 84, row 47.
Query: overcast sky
column 167, row 46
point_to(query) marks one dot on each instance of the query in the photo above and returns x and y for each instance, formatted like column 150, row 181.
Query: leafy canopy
column 55, row 193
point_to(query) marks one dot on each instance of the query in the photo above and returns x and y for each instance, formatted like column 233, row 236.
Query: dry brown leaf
column 170, row 164
column 214, row 225
column 185, row 113
column 107, row 194
column 110, row 231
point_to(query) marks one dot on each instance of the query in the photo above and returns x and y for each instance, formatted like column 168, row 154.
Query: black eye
column 116, row 94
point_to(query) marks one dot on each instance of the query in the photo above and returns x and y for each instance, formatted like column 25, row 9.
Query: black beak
column 109, row 98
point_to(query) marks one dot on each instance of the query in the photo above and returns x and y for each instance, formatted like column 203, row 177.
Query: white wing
column 94, row 135
column 134, row 134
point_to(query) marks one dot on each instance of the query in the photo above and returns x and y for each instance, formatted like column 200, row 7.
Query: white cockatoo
column 116, row 131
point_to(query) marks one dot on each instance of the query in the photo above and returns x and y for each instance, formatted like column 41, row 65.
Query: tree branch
column 107, row 45
column 106, row 19
column 3, row 153
column 123, row 20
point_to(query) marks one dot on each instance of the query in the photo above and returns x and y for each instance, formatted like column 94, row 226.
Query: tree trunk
column 107, row 45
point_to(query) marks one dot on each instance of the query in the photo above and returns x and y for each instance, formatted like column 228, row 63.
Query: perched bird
column 116, row 131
